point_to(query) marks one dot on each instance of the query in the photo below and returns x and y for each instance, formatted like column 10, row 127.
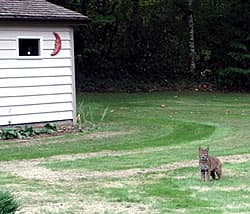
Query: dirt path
column 31, row 169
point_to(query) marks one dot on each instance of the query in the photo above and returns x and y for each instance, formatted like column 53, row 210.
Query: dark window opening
column 29, row 47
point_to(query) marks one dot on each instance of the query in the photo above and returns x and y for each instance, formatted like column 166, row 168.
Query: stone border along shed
column 37, row 75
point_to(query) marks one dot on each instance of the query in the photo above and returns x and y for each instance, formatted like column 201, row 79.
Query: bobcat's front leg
column 203, row 175
column 207, row 175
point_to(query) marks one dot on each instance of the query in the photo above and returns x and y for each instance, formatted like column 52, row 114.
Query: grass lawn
column 140, row 158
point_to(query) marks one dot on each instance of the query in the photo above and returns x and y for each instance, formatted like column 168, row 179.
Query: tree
column 236, row 71
column 191, row 38
column 137, row 43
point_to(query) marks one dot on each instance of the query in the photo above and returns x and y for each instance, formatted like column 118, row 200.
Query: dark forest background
column 145, row 44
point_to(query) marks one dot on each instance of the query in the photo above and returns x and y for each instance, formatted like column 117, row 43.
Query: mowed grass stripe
column 183, row 132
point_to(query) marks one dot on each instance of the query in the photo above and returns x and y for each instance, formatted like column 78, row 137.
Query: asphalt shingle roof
column 38, row 10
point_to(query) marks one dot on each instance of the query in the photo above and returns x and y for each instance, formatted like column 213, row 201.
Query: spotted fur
column 209, row 166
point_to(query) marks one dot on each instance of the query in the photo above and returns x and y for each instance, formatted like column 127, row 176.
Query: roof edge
column 39, row 19
column 40, row 11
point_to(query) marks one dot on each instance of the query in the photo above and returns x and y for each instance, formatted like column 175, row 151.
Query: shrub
column 234, row 78
column 8, row 203
column 25, row 132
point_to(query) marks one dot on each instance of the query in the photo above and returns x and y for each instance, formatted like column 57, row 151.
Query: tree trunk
column 192, row 54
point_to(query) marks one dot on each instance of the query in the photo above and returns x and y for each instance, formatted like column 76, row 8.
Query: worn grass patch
column 182, row 191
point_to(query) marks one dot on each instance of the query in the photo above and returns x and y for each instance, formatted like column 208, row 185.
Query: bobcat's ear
column 208, row 148
column 199, row 148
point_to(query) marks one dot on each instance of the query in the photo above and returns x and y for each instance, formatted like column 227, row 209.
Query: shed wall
column 36, row 90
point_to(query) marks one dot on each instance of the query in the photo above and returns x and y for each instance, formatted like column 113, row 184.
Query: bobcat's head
column 203, row 154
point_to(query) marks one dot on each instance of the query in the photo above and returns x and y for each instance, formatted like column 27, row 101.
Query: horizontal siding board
column 35, row 63
column 35, row 100
column 36, row 90
column 8, row 54
column 7, row 45
column 7, row 39
column 36, row 81
column 35, row 109
column 12, row 54
column 49, row 45
column 35, row 72
column 11, row 35
column 34, row 118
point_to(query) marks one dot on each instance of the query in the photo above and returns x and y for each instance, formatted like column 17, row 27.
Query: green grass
column 186, row 118
column 152, row 136
column 183, row 132
column 182, row 190
column 157, row 132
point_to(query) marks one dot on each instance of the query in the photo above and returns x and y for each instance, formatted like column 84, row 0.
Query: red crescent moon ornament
column 58, row 44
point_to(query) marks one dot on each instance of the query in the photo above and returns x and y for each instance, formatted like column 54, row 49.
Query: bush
column 25, row 132
column 234, row 78
column 8, row 203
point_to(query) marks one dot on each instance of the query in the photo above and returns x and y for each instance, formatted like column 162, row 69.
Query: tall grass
column 88, row 118
column 8, row 203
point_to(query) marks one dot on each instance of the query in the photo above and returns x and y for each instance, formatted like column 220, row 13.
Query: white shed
column 37, row 76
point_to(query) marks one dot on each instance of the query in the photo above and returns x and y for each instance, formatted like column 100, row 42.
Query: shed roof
column 38, row 11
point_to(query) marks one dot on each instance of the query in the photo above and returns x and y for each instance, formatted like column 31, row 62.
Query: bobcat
column 209, row 166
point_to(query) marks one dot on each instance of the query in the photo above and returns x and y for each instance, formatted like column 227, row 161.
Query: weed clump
column 88, row 119
column 8, row 203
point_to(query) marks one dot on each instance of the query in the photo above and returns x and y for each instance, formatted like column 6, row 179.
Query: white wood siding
column 36, row 90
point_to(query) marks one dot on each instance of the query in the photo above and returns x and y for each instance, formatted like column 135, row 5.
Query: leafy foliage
column 236, row 73
column 8, row 203
column 25, row 132
column 141, row 44
column 134, row 43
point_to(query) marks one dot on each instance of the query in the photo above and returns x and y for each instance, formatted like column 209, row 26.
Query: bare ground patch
column 236, row 158
column 74, row 203
column 30, row 169
column 223, row 189
column 44, row 202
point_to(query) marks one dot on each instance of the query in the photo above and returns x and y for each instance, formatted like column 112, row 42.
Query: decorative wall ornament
column 58, row 44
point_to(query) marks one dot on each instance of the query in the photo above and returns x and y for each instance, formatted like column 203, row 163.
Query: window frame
column 40, row 48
